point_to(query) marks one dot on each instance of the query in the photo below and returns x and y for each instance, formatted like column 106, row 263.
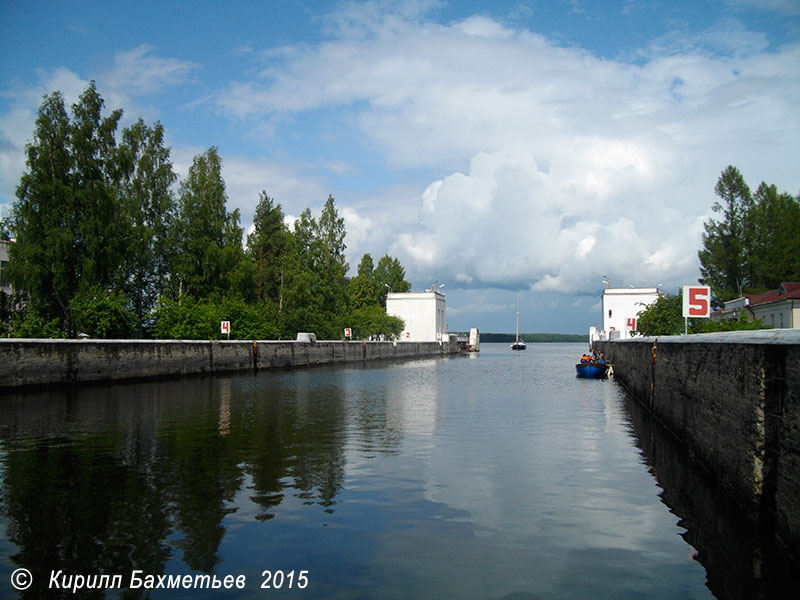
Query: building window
column 781, row 316
column 609, row 313
column 3, row 265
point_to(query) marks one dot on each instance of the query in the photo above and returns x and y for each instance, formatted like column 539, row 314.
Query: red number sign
column 631, row 324
column 225, row 326
column 697, row 301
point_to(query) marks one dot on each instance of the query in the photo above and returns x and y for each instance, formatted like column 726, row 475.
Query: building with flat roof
column 422, row 312
column 621, row 308
column 5, row 287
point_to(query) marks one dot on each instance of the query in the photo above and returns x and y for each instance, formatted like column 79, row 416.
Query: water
column 499, row 475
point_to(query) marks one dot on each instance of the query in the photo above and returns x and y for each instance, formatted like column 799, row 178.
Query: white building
column 422, row 312
column 621, row 308
column 5, row 287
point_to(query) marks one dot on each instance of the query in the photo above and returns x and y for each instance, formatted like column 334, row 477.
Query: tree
column 149, row 211
column 66, row 218
column 104, row 315
column 331, row 263
column 723, row 259
column 363, row 287
column 774, row 244
column 372, row 320
column 665, row 317
column 100, row 222
column 390, row 276
column 44, row 259
column 269, row 246
column 318, row 288
column 299, row 300
column 756, row 245
column 208, row 238
column 662, row 317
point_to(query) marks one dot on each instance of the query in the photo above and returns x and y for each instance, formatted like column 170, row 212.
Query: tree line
column 533, row 338
column 753, row 247
column 110, row 244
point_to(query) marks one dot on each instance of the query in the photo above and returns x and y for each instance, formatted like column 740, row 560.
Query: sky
column 537, row 147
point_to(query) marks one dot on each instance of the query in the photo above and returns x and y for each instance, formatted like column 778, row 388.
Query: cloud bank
column 480, row 152
column 556, row 164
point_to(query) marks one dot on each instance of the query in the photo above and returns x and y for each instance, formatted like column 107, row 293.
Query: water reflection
column 740, row 560
column 496, row 476
column 105, row 480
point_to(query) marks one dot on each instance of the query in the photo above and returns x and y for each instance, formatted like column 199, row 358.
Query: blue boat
column 592, row 370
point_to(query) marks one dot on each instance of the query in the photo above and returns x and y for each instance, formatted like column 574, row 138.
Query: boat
column 518, row 343
column 593, row 370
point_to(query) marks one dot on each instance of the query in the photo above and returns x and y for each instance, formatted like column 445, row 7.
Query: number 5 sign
column 696, row 301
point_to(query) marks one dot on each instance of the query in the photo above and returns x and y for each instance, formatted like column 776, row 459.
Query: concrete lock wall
column 44, row 362
column 734, row 400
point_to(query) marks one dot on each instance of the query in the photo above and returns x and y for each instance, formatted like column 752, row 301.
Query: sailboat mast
column 517, row 316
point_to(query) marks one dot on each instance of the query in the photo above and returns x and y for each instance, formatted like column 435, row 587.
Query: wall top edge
column 89, row 341
column 758, row 336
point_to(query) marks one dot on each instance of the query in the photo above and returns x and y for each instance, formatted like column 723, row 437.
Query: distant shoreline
column 533, row 338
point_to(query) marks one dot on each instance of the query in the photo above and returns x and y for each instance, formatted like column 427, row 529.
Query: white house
column 5, row 287
column 621, row 308
column 422, row 312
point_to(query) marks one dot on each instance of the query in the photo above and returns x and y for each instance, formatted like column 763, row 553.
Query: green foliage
column 192, row 319
column 709, row 326
column 329, row 260
column 101, row 314
column 44, row 261
column 662, row 317
column 723, row 258
column 533, row 338
column 372, row 320
column 104, row 248
column 665, row 317
column 390, row 276
column 774, row 243
column 208, row 238
column 6, row 313
column 88, row 212
column 30, row 324
column 269, row 248
column 755, row 246
column 364, row 291
column 149, row 211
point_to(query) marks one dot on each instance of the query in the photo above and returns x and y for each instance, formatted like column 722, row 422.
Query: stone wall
column 44, row 362
column 734, row 400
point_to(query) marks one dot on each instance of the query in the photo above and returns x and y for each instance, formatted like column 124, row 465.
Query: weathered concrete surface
column 43, row 362
column 734, row 400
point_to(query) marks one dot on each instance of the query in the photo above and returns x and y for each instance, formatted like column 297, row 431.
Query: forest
column 110, row 244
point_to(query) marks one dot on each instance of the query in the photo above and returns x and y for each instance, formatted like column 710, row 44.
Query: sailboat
column 518, row 343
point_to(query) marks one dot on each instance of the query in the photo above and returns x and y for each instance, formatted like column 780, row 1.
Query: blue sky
column 532, row 146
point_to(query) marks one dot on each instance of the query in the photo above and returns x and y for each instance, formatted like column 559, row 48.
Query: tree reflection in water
column 108, row 480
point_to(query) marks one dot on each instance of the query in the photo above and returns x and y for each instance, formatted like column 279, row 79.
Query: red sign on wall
column 631, row 324
column 697, row 301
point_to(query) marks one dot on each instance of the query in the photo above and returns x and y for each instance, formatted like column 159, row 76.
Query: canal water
column 490, row 476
